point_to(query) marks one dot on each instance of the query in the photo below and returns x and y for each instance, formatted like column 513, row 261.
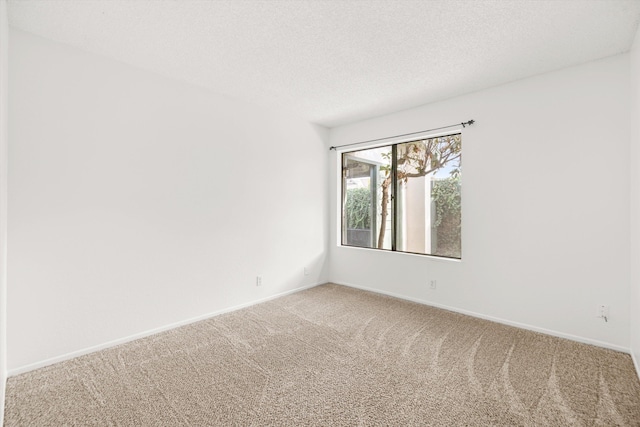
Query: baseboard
column 635, row 364
column 497, row 320
column 113, row 343
column 3, row 389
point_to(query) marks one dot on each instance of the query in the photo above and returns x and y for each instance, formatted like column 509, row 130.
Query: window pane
column 404, row 197
column 366, row 191
column 428, row 206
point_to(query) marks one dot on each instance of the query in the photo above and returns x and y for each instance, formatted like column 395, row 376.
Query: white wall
column 635, row 202
column 4, row 45
column 137, row 202
column 545, row 205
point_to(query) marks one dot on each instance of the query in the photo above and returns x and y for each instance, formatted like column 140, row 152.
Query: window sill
column 399, row 253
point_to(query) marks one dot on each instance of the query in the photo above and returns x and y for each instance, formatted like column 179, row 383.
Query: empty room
column 319, row 213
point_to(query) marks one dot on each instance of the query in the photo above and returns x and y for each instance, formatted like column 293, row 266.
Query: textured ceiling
column 335, row 62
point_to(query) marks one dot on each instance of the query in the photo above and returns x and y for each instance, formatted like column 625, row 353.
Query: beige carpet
column 333, row 356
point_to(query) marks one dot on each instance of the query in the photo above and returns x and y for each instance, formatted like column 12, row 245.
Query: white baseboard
column 497, row 320
column 113, row 343
column 3, row 389
column 147, row 333
column 636, row 364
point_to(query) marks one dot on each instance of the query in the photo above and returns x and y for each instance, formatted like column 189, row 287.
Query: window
column 404, row 197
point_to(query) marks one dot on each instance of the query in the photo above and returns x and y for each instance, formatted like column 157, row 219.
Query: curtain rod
column 464, row 124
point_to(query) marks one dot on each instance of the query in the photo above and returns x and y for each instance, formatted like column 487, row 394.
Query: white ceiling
column 335, row 62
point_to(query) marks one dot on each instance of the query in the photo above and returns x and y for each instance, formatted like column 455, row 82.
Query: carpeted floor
column 334, row 356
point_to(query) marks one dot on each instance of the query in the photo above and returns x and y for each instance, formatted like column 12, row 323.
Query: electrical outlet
column 258, row 280
column 433, row 284
column 602, row 312
column 306, row 271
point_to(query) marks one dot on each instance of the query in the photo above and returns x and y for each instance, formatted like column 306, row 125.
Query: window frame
column 393, row 198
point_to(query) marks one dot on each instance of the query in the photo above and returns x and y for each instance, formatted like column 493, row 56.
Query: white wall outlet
column 306, row 271
column 602, row 312
column 258, row 280
column 433, row 284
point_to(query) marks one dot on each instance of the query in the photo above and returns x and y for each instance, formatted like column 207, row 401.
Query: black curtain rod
column 464, row 124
